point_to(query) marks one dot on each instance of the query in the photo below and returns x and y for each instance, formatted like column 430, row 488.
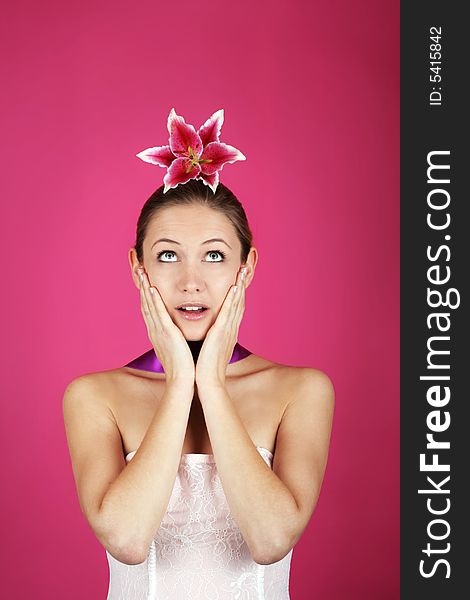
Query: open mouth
column 193, row 313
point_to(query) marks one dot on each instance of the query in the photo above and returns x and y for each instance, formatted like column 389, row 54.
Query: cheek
column 221, row 293
column 222, row 284
column 163, row 284
column 161, row 275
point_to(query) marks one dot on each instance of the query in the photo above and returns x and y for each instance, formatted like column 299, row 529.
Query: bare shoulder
column 300, row 381
column 82, row 386
column 314, row 389
column 92, row 387
column 315, row 382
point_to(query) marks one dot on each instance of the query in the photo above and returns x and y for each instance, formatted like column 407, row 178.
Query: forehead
column 190, row 222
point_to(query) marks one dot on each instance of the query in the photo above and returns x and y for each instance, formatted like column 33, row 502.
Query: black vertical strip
column 429, row 128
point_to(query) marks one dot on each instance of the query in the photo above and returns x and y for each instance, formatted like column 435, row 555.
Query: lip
column 192, row 315
column 192, row 304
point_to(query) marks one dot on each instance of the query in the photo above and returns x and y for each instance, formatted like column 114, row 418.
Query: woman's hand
column 221, row 338
column 167, row 339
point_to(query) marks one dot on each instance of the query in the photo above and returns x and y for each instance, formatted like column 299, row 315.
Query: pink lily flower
column 192, row 154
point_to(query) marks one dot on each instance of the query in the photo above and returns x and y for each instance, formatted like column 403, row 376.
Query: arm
column 124, row 505
column 272, row 507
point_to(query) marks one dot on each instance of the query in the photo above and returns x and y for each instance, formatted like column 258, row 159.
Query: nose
column 191, row 281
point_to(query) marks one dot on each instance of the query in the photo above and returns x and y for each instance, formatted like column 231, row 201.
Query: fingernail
column 235, row 288
column 152, row 290
column 141, row 276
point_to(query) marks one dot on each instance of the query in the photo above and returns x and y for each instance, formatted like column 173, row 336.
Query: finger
column 159, row 306
column 155, row 304
column 144, row 305
column 242, row 295
column 239, row 306
column 227, row 311
column 227, row 306
column 238, row 294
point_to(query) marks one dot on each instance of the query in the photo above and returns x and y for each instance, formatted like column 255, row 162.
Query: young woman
column 198, row 464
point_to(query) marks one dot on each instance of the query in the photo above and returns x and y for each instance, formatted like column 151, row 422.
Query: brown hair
column 194, row 192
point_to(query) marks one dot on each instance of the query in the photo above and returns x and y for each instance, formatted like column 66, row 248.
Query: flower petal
column 182, row 136
column 210, row 131
column 180, row 171
column 219, row 154
column 158, row 155
column 211, row 180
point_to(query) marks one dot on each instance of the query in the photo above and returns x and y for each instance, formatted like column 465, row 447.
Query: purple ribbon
column 149, row 361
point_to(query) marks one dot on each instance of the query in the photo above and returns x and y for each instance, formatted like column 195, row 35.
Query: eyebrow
column 178, row 244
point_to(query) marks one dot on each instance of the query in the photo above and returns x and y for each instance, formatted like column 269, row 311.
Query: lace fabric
column 198, row 552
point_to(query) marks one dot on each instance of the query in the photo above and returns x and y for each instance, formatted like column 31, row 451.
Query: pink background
column 311, row 97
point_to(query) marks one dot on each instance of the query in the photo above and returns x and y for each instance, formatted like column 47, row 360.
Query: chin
column 194, row 331
column 194, row 336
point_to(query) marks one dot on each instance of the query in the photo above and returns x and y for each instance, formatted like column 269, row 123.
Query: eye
column 212, row 252
column 160, row 254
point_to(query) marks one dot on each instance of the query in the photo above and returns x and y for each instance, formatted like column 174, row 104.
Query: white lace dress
column 198, row 552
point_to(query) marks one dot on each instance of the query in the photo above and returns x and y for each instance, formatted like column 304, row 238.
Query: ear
column 250, row 263
column 134, row 264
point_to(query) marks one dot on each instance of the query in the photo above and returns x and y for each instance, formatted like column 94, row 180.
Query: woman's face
column 192, row 254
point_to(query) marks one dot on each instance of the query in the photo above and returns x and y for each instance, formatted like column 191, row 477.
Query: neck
column 150, row 362
column 195, row 347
